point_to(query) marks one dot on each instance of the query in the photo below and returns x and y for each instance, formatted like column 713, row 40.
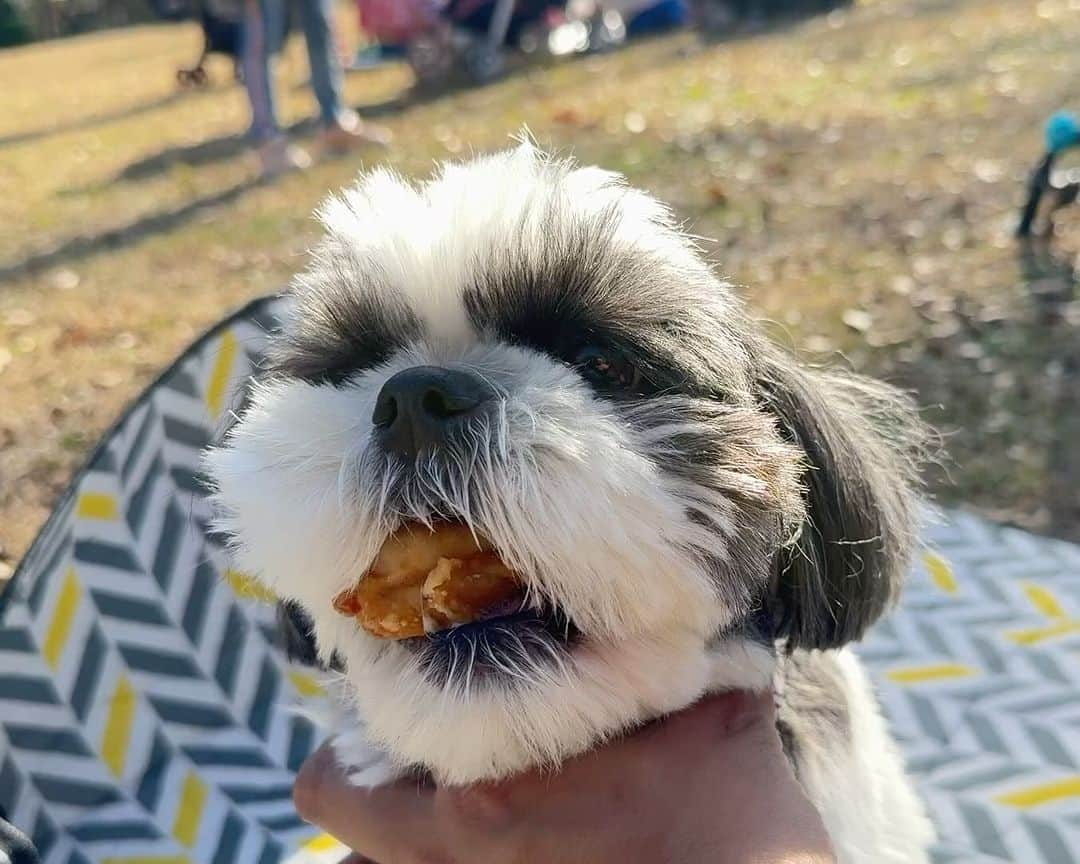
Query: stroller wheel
column 484, row 63
column 608, row 31
column 714, row 16
column 431, row 57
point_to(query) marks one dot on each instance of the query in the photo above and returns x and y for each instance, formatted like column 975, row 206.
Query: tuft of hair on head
column 863, row 445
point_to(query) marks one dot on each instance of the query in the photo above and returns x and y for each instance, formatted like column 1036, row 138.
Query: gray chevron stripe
column 182, row 382
column 139, row 502
column 84, row 691
column 15, row 640
column 168, row 546
column 228, row 757
column 44, row 835
column 301, row 741
column 64, row 790
column 149, row 789
column 204, row 578
column 139, row 441
column 103, row 461
column 23, row 737
column 10, row 785
column 1052, row 845
column 265, row 694
column 141, row 659
column 229, row 842
column 180, row 432
column 228, row 661
column 98, row 831
column 186, row 713
column 54, row 557
column 984, row 830
column 28, row 689
column 189, row 480
column 127, row 608
column 106, row 555
column 258, row 794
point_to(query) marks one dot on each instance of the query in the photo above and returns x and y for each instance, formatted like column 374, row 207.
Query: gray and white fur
column 715, row 515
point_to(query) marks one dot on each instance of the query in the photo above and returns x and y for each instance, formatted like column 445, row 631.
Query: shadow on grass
column 126, row 235
column 92, row 121
column 1052, row 280
column 203, row 153
column 1002, row 383
column 220, row 149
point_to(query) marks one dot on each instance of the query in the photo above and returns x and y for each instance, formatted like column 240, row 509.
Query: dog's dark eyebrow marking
column 341, row 330
column 576, row 290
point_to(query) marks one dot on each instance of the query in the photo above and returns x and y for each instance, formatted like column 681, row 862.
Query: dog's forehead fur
column 517, row 248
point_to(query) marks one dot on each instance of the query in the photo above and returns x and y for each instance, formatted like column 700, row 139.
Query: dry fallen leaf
column 568, row 116
column 716, row 193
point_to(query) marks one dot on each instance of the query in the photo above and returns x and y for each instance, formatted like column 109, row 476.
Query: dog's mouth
column 431, row 582
column 445, row 594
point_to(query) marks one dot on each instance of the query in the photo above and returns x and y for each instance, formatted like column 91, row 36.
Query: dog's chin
column 521, row 648
column 515, row 715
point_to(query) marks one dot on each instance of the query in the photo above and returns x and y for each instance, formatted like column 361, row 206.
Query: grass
column 856, row 173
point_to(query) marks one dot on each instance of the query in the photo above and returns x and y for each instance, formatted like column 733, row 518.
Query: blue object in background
column 1062, row 131
column 661, row 16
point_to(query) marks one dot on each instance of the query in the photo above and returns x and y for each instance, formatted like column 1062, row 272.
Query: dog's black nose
column 419, row 407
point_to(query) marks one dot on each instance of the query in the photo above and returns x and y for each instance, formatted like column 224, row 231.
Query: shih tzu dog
column 526, row 474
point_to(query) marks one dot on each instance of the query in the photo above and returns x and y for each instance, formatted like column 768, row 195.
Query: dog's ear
column 863, row 444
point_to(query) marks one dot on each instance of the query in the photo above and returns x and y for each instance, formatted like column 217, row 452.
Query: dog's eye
column 607, row 368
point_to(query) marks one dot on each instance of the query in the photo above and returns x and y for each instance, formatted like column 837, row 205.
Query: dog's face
column 536, row 351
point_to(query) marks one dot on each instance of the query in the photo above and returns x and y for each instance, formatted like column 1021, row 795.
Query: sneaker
column 351, row 131
column 278, row 156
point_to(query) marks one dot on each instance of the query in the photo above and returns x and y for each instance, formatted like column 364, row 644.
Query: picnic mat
column 146, row 716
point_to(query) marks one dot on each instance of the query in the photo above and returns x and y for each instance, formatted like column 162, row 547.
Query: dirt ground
column 858, row 174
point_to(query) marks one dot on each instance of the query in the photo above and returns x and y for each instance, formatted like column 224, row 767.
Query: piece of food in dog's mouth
column 424, row 581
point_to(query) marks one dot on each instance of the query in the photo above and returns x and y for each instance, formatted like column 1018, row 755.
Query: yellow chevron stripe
column 219, row 375
column 117, row 734
column 940, row 572
column 144, row 859
column 248, row 588
column 322, row 843
column 97, row 505
column 305, row 685
column 1041, row 634
column 189, row 813
column 67, row 604
column 1044, row 793
column 933, row 672
column 1045, row 602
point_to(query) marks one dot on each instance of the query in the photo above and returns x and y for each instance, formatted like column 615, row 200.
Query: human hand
column 709, row 784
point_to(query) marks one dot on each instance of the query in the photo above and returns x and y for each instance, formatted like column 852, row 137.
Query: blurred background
column 860, row 168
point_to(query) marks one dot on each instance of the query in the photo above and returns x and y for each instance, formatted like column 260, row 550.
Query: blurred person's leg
column 263, row 31
column 342, row 126
column 326, row 76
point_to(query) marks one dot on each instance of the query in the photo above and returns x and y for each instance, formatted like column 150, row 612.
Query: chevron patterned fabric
column 146, row 716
